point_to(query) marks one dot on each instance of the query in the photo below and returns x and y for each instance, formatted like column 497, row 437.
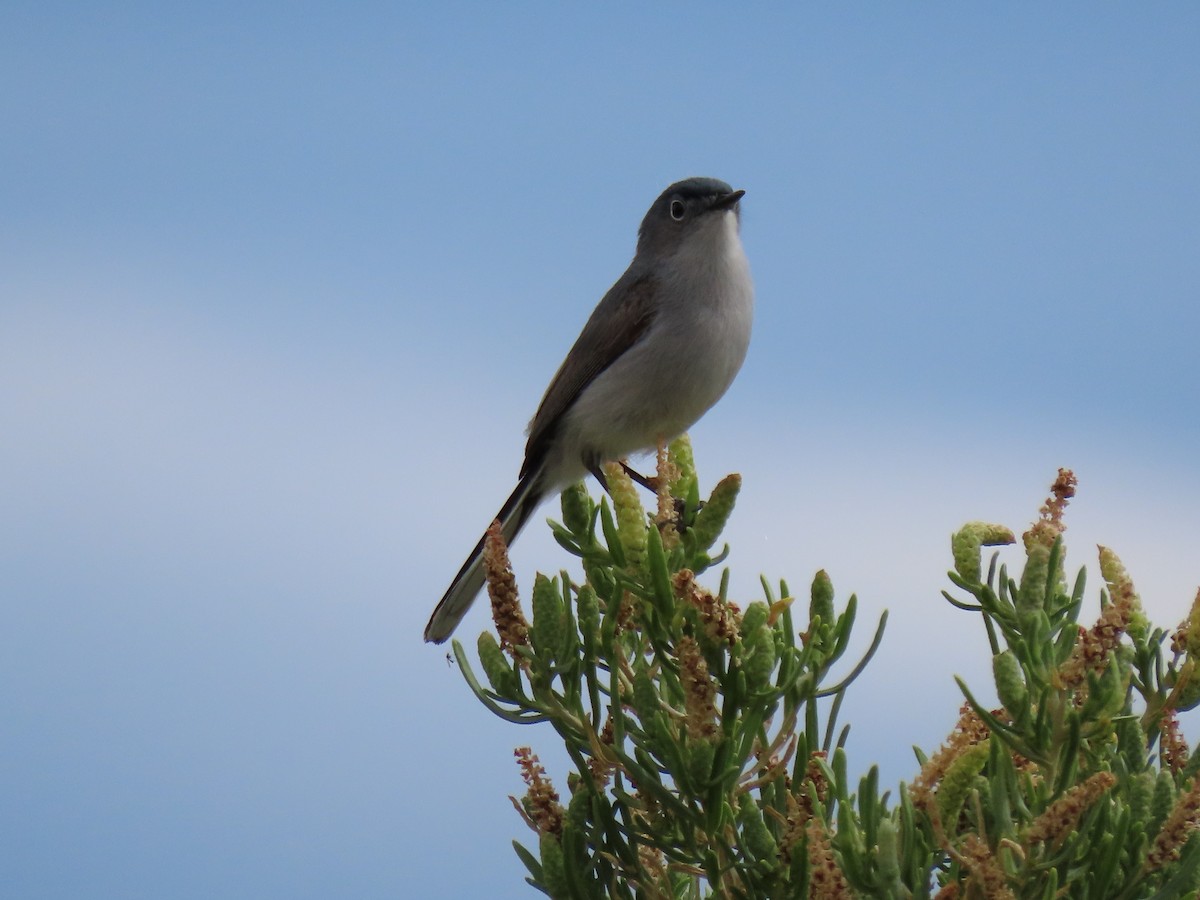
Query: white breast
column 683, row 364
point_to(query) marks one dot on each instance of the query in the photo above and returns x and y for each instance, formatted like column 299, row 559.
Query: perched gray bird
column 661, row 347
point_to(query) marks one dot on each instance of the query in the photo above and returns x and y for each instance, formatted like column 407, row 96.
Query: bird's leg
column 598, row 474
column 649, row 482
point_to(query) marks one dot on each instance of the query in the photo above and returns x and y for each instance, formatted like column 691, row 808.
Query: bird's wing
column 618, row 322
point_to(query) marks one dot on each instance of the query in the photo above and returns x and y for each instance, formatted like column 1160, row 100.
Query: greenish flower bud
column 576, row 508
column 1110, row 688
column 1037, row 631
column 758, row 646
column 1163, row 799
column 499, row 674
column 1131, row 743
column 547, row 629
column 1139, row 626
column 710, row 521
column 579, row 810
column 755, row 616
column 762, row 660
column 588, row 611
column 1141, row 795
column 554, row 876
column 965, row 544
column 645, row 697
column 1010, row 685
column 958, row 780
column 598, row 575
column 821, row 604
column 757, row 837
column 631, row 515
column 887, row 856
column 700, row 762
column 1113, row 571
column 679, row 451
column 1031, row 596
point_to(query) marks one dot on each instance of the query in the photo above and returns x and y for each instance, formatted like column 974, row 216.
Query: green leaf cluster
column 708, row 760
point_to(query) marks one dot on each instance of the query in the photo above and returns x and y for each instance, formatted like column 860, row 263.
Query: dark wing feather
column 618, row 322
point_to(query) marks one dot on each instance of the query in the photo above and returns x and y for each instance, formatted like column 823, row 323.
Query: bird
column 661, row 347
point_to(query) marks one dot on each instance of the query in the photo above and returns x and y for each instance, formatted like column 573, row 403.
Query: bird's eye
column 677, row 210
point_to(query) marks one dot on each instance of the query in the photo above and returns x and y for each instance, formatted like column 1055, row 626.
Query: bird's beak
column 724, row 201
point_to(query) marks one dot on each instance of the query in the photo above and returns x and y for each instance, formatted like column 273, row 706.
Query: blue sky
column 282, row 284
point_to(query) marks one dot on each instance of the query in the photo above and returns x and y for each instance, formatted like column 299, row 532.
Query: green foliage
column 706, row 752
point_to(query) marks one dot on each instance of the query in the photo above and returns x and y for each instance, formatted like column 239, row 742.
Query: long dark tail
column 466, row 584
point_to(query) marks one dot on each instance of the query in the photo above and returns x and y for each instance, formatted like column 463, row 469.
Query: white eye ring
column 677, row 210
